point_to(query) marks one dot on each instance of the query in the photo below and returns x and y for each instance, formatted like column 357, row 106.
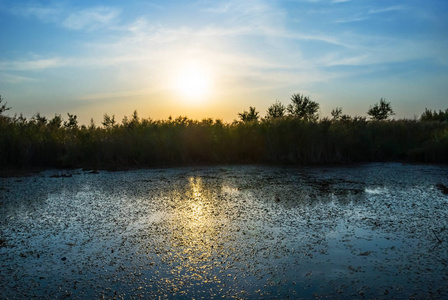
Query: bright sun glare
column 193, row 82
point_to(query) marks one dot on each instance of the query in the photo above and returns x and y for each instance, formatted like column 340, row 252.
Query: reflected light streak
column 196, row 239
column 195, row 233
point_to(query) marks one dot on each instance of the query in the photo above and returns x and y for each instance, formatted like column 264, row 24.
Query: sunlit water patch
column 373, row 231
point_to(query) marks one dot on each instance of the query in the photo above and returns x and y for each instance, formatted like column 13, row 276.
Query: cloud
column 14, row 79
column 68, row 17
column 386, row 9
column 92, row 18
column 32, row 65
column 118, row 94
column 333, row 59
column 42, row 13
column 219, row 9
column 249, row 13
column 351, row 20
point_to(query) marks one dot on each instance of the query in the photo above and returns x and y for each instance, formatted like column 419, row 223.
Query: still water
column 374, row 230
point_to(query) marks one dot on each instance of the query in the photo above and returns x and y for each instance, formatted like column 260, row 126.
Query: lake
column 371, row 230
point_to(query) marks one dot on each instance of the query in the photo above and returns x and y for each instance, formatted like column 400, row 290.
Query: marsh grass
column 286, row 140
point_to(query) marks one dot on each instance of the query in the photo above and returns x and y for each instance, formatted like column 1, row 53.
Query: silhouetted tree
column 276, row 110
column 19, row 120
column 336, row 113
column 72, row 122
column 108, row 121
column 429, row 115
column 56, row 122
column 92, row 125
column 249, row 116
column 134, row 117
column 338, row 116
column 380, row 111
column 303, row 108
column 3, row 107
column 39, row 120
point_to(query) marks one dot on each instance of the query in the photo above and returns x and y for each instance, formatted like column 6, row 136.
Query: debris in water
column 443, row 188
column 61, row 175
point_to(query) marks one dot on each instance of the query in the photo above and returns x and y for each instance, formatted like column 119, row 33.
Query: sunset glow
column 193, row 83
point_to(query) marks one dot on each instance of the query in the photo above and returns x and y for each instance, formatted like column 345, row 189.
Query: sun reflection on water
column 195, row 236
column 197, row 213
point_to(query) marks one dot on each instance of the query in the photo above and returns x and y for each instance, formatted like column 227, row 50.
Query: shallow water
column 374, row 230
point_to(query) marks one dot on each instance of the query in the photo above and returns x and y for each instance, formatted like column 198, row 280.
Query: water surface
column 374, row 230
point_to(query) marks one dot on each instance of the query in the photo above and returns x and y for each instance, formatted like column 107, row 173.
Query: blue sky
column 96, row 57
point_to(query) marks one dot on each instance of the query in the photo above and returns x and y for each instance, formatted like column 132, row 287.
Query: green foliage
column 429, row 115
column 303, row 108
column 249, row 116
column 276, row 110
column 381, row 111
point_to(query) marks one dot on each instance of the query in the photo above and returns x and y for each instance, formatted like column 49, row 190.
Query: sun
column 193, row 82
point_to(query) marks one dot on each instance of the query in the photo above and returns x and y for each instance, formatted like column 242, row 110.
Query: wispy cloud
column 386, row 9
column 33, row 65
column 351, row 19
column 68, row 17
column 368, row 14
column 340, row 1
column 42, row 13
column 92, row 18
column 118, row 94
column 15, row 79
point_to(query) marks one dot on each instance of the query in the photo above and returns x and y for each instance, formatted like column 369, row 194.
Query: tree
column 249, row 116
column 276, row 110
column 380, row 111
column 3, row 107
column 134, row 118
column 339, row 116
column 336, row 113
column 72, row 122
column 39, row 120
column 92, row 125
column 56, row 122
column 108, row 121
column 303, row 108
column 429, row 115
column 20, row 120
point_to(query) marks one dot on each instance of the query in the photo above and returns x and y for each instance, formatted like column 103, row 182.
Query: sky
column 204, row 59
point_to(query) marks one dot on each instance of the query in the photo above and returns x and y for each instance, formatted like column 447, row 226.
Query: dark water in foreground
column 375, row 230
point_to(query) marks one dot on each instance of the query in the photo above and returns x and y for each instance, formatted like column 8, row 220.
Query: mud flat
column 368, row 231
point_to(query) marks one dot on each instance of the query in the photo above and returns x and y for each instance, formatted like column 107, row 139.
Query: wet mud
column 369, row 231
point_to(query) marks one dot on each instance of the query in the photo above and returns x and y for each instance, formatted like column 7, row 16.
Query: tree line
column 292, row 135
column 303, row 108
